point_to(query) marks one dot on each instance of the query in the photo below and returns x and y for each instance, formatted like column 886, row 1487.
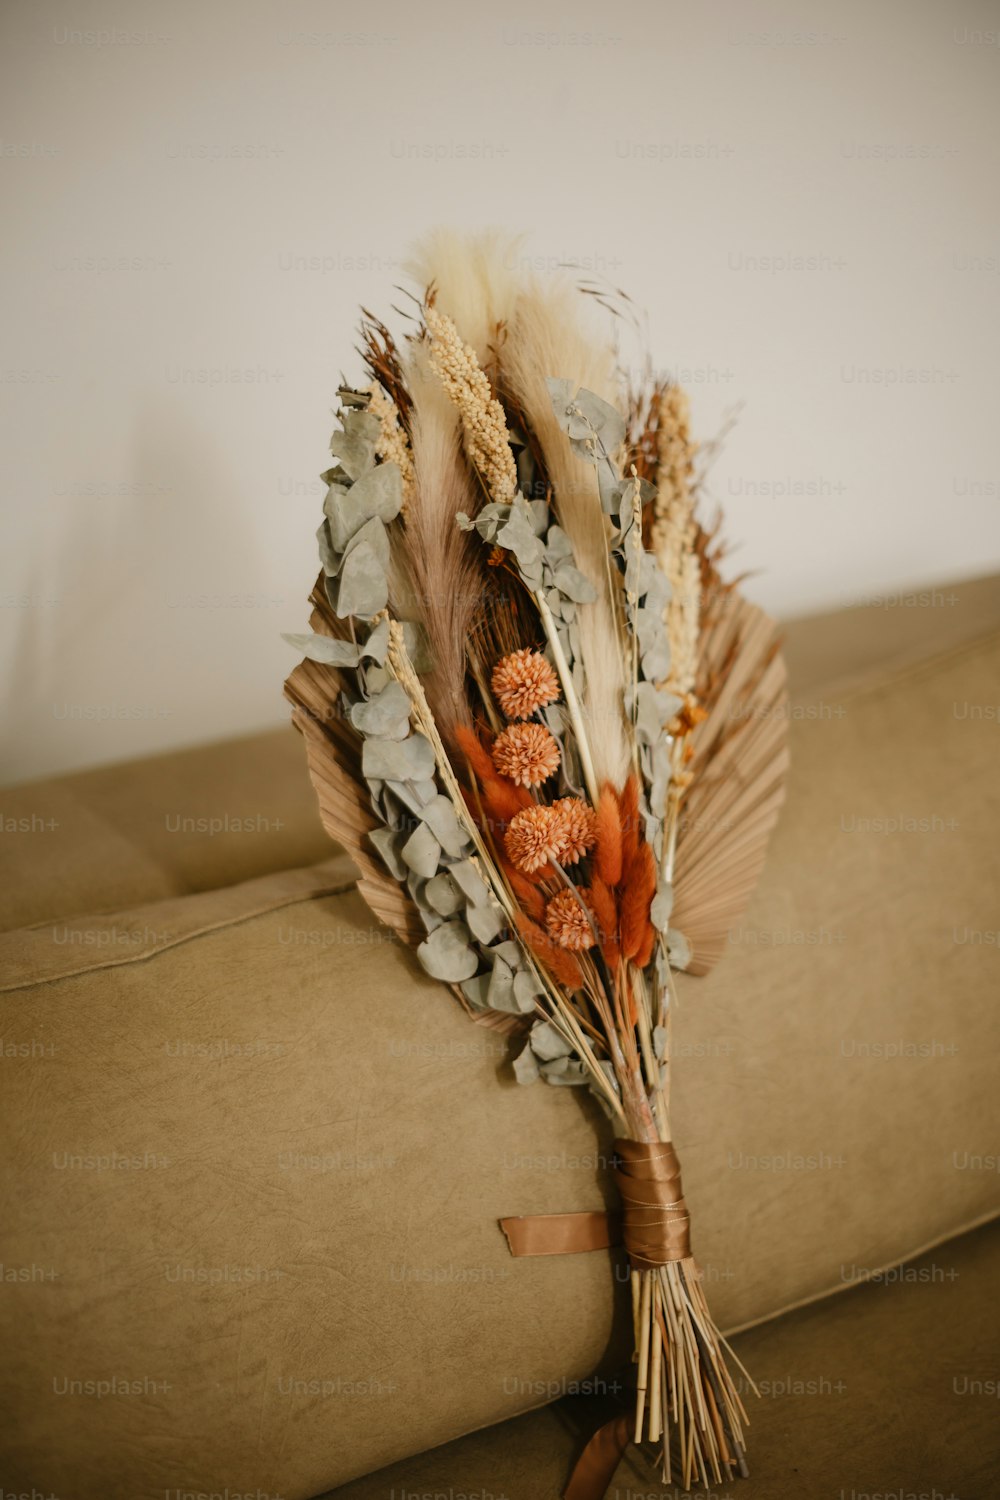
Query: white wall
column 219, row 191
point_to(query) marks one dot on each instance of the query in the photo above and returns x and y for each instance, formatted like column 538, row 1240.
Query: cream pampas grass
column 546, row 339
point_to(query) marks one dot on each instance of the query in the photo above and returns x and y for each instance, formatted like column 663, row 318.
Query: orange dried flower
column 576, row 829
column 560, row 963
column 524, row 682
column 568, row 921
column 532, row 838
column 688, row 717
column 526, row 753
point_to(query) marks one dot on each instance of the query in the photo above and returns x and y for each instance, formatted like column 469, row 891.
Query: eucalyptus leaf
column 356, row 454
column 411, row 759
column 327, row 556
column 422, row 852
column 470, row 880
column 526, row 990
column 569, row 580
column 567, row 1072
column 656, row 661
column 661, row 907
column 486, row 922
column 384, row 840
column 323, row 648
column 379, row 492
column 604, row 420
column 444, row 895
column 387, row 713
column 354, row 443
column 526, row 1067
column 416, row 645
column 446, row 953
column 364, row 586
column 377, row 643
column 517, row 536
column 501, row 991
column 475, row 991
column 548, row 1043
column 510, row 952
column 439, row 815
column 679, row 949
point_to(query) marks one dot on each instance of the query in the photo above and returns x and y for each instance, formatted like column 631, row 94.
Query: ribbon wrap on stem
column 656, row 1225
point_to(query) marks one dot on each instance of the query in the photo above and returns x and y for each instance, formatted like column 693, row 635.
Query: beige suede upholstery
column 255, row 1159
column 886, row 1393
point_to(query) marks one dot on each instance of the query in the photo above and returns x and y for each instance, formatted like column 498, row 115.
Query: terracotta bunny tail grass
column 528, row 894
column 628, row 806
column 559, row 961
column 504, row 799
column 639, row 887
column 605, row 909
column 608, row 828
column 475, row 752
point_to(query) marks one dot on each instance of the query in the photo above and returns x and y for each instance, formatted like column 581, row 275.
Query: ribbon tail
column 562, row 1234
column 595, row 1468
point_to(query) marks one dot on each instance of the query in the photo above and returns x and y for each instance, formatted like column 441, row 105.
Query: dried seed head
column 531, row 839
column 524, row 682
column 526, row 753
column 568, row 921
column 576, row 829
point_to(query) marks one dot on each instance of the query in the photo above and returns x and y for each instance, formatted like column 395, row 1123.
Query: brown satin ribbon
column 654, row 1225
column 595, row 1468
column 562, row 1234
column 657, row 1221
column 656, row 1229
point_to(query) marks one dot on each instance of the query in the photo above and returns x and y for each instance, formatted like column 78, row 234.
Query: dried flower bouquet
column 550, row 735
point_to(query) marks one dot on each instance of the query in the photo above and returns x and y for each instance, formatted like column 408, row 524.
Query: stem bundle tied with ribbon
column 553, row 740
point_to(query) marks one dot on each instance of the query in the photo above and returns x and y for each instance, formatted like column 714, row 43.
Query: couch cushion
column 832, row 1085
column 301, row 1101
column 255, row 1165
column 885, row 1393
column 192, row 820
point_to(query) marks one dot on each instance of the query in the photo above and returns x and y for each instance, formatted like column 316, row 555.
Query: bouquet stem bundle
column 550, row 735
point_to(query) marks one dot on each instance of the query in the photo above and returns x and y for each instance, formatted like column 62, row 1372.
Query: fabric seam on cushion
column 989, row 1217
column 177, row 942
column 850, row 686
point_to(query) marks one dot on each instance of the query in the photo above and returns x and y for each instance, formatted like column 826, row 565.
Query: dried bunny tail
column 544, row 339
column 444, row 583
column 474, row 278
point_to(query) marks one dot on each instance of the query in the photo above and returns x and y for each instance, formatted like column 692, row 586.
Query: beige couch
column 255, row 1160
